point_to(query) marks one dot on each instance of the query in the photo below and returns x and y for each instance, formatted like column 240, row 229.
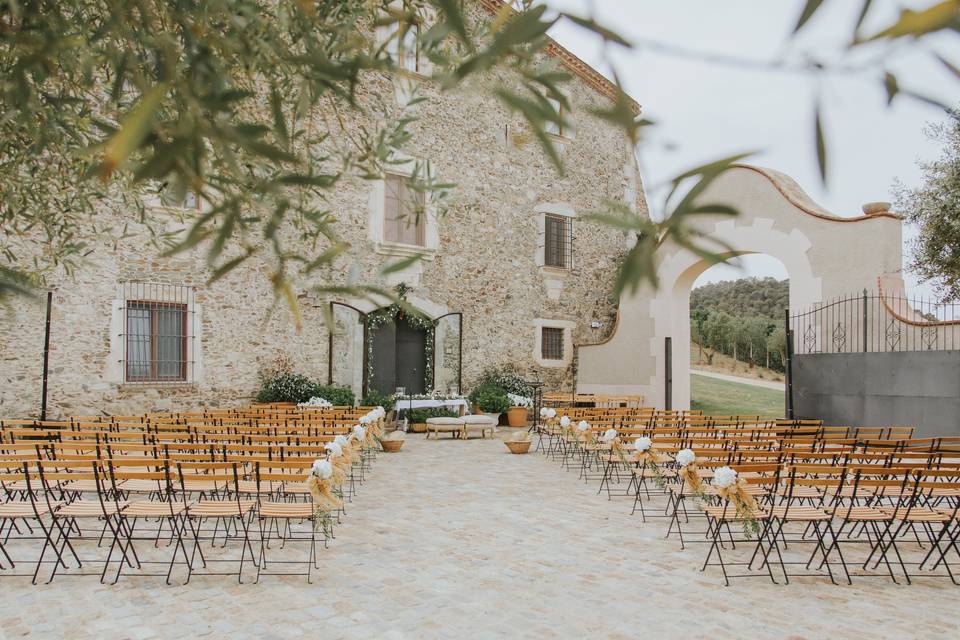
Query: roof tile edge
column 596, row 80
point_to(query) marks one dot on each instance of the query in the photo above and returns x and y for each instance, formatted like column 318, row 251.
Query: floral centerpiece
column 315, row 402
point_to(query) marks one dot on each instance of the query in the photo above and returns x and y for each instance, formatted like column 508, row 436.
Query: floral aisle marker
column 325, row 501
column 731, row 487
column 646, row 455
column 690, row 473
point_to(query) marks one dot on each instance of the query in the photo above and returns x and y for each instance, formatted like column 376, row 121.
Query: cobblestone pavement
column 460, row 539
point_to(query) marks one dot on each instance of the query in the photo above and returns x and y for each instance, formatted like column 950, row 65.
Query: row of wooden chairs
column 165, row 501
column 855, row 503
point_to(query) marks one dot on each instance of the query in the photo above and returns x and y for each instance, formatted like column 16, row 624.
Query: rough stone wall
column 485, row 267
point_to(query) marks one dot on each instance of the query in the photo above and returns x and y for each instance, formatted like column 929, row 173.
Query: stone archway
column 825, row 256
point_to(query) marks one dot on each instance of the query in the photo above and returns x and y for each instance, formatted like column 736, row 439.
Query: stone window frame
column 567, row 326
column 116, row 369
column 386, row 37
column 376, row 212
column 560, row 133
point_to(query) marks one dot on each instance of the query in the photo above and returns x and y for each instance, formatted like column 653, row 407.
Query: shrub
column 490, row 398
column 419, row 416
column 337, row 396
column 374, row 399
column 507, row 378
column 287, row 387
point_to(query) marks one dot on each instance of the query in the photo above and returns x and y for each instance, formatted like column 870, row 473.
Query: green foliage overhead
column 261, row 108
column 934, row 208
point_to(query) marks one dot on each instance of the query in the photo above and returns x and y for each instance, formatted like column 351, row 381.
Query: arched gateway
column 825, row 256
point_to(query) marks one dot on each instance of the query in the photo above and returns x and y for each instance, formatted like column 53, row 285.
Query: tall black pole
column 668, row 373
column 46, row 359
column 789, row 366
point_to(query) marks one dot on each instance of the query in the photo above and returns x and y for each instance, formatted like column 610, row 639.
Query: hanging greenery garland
column 395, row 311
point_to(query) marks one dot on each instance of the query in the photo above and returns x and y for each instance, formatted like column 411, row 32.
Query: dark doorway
column 399, row 357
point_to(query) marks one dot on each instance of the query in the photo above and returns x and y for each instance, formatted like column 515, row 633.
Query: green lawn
column 730, row 398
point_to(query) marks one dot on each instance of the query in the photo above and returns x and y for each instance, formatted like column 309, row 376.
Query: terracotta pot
column 417, row 427
column 475, row 410
column 518, row 447
column 517, row 416
column 391, row 446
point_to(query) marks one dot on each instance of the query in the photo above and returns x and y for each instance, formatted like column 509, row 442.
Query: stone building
column 511, row 274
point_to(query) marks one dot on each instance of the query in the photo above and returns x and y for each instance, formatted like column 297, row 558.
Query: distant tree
column 934, row 207
column 777, row 345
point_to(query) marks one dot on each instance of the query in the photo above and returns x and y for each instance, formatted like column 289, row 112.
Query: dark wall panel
column 911, row 388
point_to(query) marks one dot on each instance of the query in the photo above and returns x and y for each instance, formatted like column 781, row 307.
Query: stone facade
column 486, row 264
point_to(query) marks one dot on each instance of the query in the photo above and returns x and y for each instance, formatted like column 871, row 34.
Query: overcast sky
column 706, row 110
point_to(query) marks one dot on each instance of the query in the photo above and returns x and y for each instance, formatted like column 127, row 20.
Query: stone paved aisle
column 458, row 539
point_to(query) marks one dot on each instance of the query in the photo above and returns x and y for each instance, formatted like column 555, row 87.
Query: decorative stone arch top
column 795, row 195
column 895, row 301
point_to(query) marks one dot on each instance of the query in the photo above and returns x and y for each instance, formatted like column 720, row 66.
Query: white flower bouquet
column 520, row 401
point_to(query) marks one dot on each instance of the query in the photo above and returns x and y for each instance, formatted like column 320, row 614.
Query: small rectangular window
column 403, row 46
column 156, row 332
column 551, row 343
column 403, row 212
column 557, row 241
column 554, row 127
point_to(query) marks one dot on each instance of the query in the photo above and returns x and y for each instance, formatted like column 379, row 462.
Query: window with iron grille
column 157, row 326
column 551, row 343
column 557, row 241
column 403, row 212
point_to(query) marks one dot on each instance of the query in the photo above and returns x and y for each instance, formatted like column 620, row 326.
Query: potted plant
column 490, row 399
column 519, row 409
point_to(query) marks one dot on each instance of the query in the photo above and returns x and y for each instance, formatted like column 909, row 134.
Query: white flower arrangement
column 333, row 448
column 360, row 432
column 520, row 401
column 643, row 443
column 583, row 425
column 565, row 421
column 365, row 419
column 543, row 412
column 610, row 435
column 380, row 412
column 551, row 413
column 342, row 440
column 322, row 469
column 686, row 457
column 724, row 478
column 316, row 401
